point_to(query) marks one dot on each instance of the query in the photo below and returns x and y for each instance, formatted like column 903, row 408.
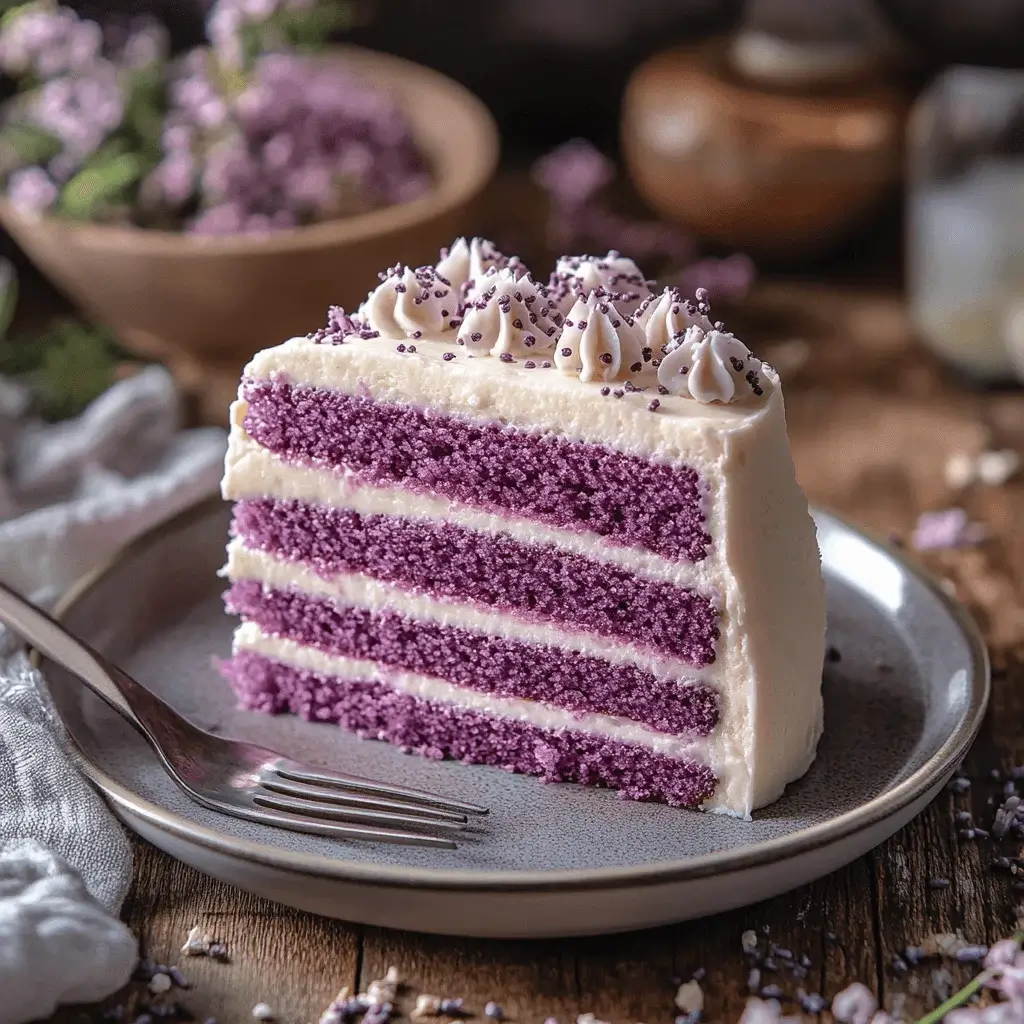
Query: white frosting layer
column 598, row 342
column 362, row 592
column 763, row 566
column 539, row 401
column 250, row 638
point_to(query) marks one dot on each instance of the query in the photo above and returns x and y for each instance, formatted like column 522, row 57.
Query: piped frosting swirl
column 580, row 322
column 665, row 318
column 614, row 273
column 410, row 304
column 598, row 342
column 710, row 367
column 464, row 265
column 506, row 319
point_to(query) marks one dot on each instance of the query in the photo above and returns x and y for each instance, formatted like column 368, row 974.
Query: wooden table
column 873, row 420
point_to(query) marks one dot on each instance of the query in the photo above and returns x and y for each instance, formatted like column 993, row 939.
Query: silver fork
column 239, row 778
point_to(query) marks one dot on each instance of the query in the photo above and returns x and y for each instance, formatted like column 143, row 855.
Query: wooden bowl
column 204, row 305
column 775, row 173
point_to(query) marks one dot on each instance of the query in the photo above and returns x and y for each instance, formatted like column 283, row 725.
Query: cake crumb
column 426, row 1006
column 160, row 983
column 197, row 943
column 690, row 997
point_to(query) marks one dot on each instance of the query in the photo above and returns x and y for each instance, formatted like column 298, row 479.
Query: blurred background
column 189, row 181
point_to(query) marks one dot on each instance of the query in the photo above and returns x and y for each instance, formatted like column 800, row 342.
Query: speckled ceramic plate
column 901, row 708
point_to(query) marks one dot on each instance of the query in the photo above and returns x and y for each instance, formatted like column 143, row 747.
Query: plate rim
column 719, row 862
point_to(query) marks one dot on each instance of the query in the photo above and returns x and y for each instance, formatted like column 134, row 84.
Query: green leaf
column 146, row 108
column 13, row 9
column 8, row 295
column 311, row 29
column 76, row 365
column 32, row 145
column 98, row 185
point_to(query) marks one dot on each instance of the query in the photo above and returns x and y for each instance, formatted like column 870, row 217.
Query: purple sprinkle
column 411, row 348
column 606, row 391
column 476, row 336
column 698, row 975
column 938, row 883
column 400, row 348
column 770, row 965
column 618, row 394
column 448, row 356
column 813, row 1003
column 506, row 357
column 913, row 955
column 654, row 405
column 177, row 977
column 566, row 352
column 494, row 1011
column 545, row 365
column 959, row 785
column 971, row 954
column 899, row 965
column 805, row 960
column 636, row 367
column 693, row 1017
column 754, row 979
column 771, row 992
column 530, row 364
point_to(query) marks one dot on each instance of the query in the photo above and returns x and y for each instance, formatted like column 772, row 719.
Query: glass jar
column 965, row 220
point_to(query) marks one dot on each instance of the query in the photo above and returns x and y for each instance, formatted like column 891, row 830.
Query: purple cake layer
column 569, row 484
column 539, row 583
column 489, row 664
column 377, row 711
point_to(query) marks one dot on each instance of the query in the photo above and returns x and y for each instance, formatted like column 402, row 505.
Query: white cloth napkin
column 70, row 495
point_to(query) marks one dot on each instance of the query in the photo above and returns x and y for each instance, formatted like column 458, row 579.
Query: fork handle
column 48, row 637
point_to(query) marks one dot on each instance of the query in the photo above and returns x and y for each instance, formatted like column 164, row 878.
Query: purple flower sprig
column 574, row 176
column 1003, row 974
column 246, row 135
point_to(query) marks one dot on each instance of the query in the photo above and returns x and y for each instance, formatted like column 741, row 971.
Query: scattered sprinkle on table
column 948, row 528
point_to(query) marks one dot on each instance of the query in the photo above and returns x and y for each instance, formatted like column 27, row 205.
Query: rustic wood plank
column 531, row 980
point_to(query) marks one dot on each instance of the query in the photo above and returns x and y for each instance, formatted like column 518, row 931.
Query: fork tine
column 337, row 830
column 301, row 773
column 336, row 812
column 372, row 803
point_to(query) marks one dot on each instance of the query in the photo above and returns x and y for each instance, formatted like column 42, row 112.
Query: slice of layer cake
column 555, row 529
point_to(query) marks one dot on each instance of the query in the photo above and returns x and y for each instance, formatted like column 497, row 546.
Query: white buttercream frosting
column 410, row 304
column 465, row 264
column 710, row 367
column 506, row 318
column 613, row 272
column 665, row 318
column 598, row 342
